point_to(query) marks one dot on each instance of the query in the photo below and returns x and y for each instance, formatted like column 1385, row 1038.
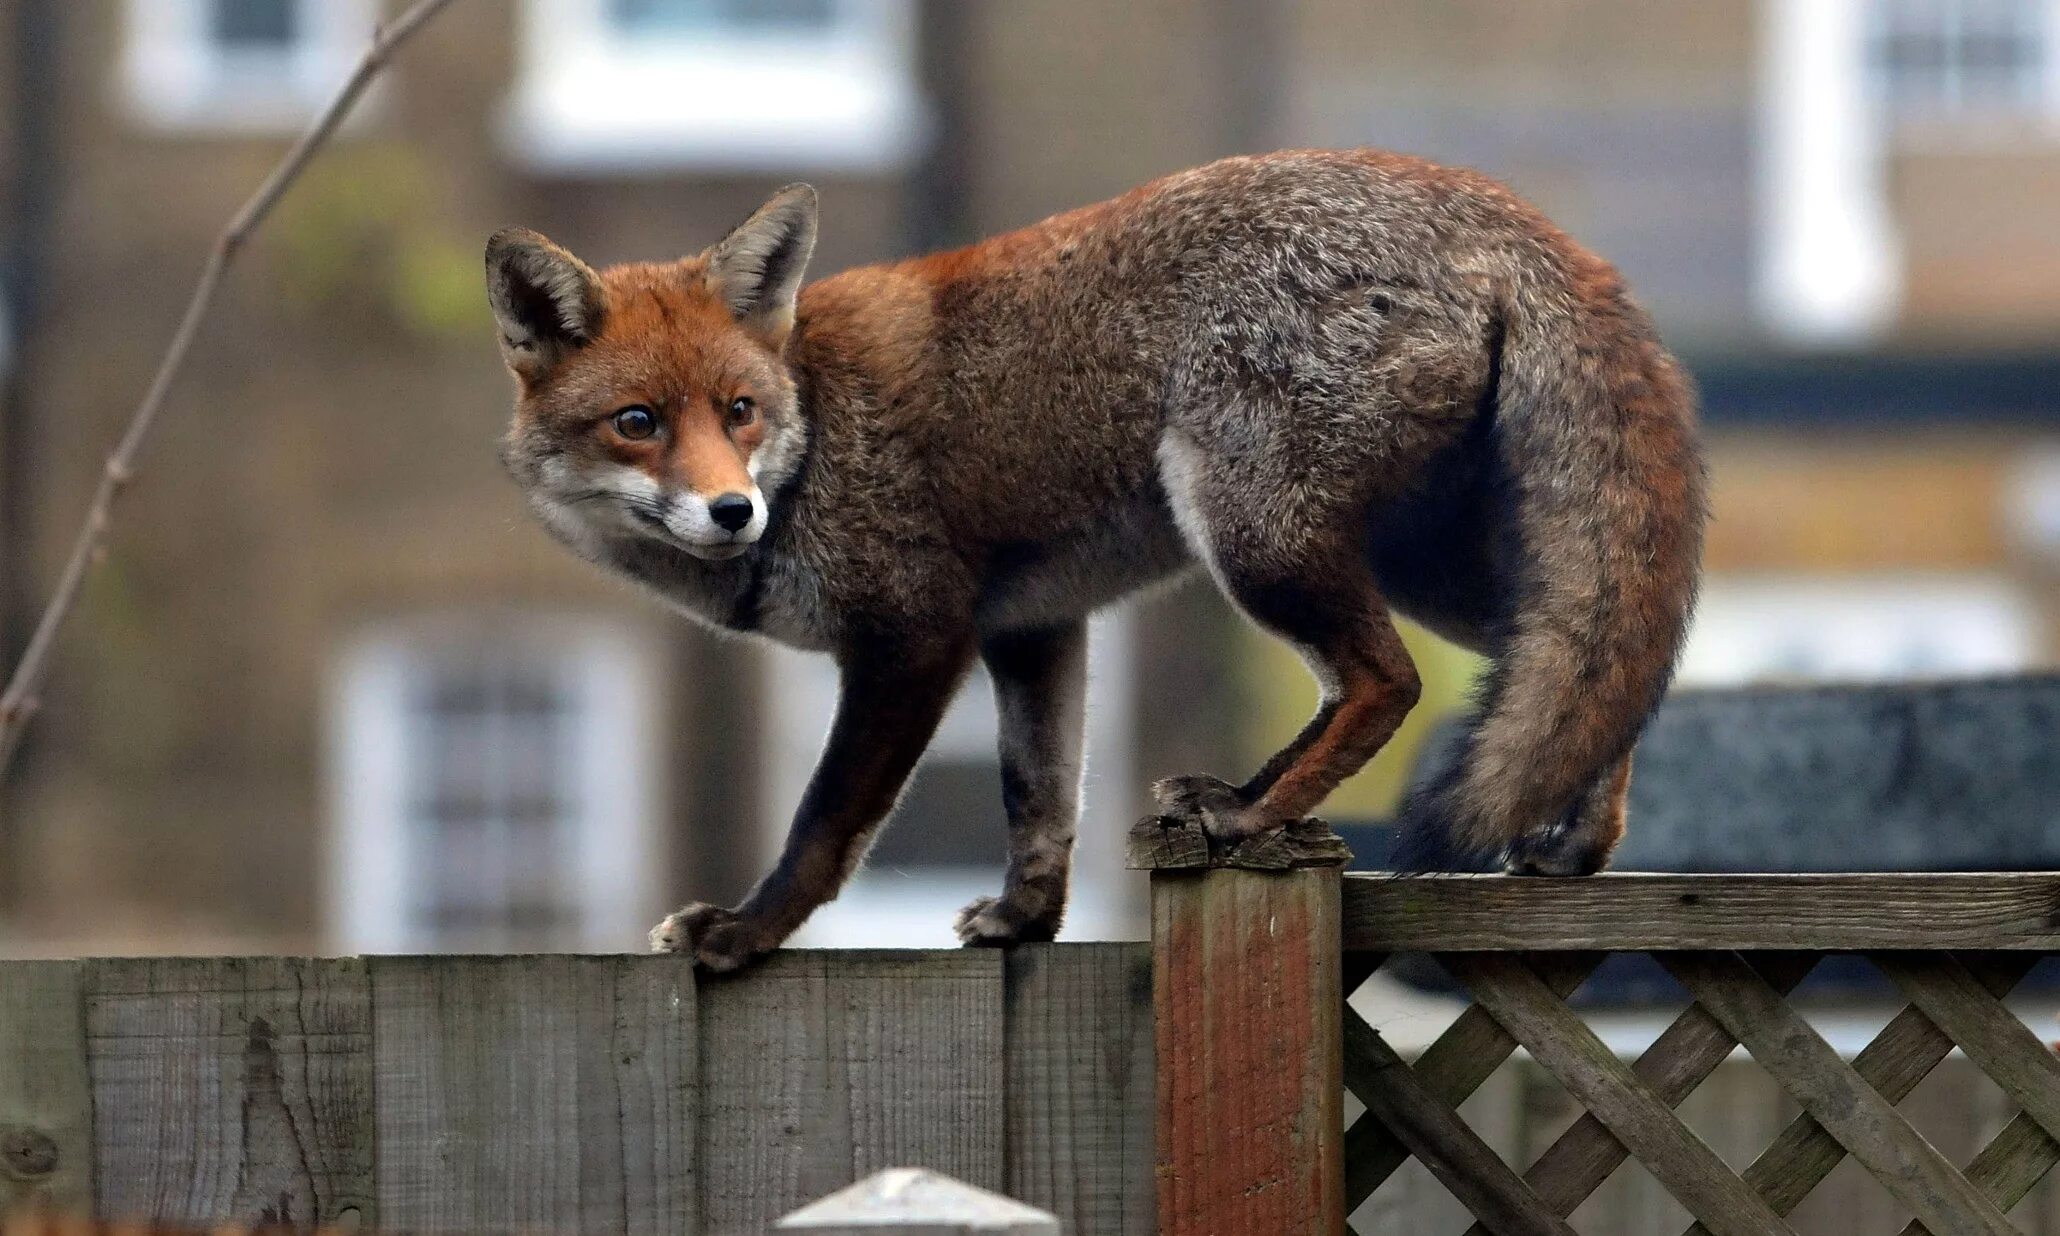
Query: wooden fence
column 1953, row 944
column 625, row 1094
column 573, row 1094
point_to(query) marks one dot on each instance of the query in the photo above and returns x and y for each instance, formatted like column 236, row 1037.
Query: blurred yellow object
column 1282, row 697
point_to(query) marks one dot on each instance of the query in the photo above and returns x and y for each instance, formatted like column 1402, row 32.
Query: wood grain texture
column 1080, row 1085
column 1621, row 1100
column 549, row 1093
column 1864, row 1121
column 1990, row 1034
column 1440, row 1139
column 232, row 1090
column 1684, row 1055
column 1166, row 843
column 1452, row 1068
column 46, row 1098
column 2007, row 1168
column 1906, row 1050
column 1625, row 913
column 822, row 1067
column 1245, row 981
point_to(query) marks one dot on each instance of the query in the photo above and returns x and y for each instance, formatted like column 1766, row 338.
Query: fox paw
column 1218, row 806
column 996, row 922
column 718, row 939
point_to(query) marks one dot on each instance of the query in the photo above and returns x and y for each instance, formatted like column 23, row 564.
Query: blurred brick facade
column 328, row 458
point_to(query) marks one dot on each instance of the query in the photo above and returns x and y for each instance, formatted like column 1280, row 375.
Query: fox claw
column 717, row 938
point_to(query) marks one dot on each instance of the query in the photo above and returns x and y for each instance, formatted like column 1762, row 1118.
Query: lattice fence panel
column 1845, row 1110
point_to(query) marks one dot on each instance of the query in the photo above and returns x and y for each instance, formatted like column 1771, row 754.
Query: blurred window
column 1858, row 629
column 239, row 65
column 1937, row 60
column 491, row 792
column 775, row 85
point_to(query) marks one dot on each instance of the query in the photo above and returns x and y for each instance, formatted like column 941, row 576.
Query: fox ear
column 756, row 269
column 545, row 300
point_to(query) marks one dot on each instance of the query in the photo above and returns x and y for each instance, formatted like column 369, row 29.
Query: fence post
column 1248, row 1019
column 905, row 1201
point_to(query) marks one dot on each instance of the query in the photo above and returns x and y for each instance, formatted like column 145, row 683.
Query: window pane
column 491, row 803
column 259, row 24
column 1934, row 58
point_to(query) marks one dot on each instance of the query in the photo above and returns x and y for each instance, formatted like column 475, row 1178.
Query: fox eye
column 635, row 422
column 742, row 411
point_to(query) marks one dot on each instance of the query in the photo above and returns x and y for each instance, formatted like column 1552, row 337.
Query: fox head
column 654, row 400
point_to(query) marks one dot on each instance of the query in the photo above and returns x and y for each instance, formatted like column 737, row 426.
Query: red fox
column 1345, row 383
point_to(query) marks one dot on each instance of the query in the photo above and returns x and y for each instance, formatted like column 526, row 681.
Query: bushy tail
column 1595, row 432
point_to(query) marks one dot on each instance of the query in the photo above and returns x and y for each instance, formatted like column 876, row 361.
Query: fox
column 1346, row 384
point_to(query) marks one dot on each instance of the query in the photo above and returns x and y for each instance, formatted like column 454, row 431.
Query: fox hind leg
column 1323, row 601
column 1040, row 685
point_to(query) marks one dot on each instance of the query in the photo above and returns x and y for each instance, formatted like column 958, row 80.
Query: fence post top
column 914, row 1199
column 1169, row 843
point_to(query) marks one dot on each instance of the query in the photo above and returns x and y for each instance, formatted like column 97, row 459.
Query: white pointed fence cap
column 912, row 1200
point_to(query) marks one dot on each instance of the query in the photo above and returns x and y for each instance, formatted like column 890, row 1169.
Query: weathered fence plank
column 2011, row 1055
column 1622, row 1101
column 1635, row 912
column 46, row 1100
column 232, row 1090
column 1680, row 1059
column 1245, row 981
column 1865, row 1122
column 2007, row 1168
column 1453, row 1067
column 548, row 1093
column 1440, row 1140
column 1080, row 1084
column 1899, row 1057
column 820, row 1068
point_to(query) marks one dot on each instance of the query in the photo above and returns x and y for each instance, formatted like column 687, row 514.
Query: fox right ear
column 545, row 301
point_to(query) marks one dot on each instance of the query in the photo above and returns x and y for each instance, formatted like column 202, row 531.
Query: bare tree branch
column 18, row 704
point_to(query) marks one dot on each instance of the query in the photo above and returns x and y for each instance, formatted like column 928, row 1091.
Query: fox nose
column 731, row 512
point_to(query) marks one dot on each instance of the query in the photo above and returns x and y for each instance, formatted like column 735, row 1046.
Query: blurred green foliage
column 365, row 233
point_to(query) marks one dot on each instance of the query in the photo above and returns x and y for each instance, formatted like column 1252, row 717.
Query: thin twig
column 20, row 701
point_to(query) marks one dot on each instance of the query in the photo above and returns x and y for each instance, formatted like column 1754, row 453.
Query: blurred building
column 333, row 689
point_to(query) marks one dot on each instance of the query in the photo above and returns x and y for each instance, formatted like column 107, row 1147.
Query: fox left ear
column 756, row 269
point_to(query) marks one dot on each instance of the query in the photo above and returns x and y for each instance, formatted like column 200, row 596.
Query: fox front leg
column 891, row 698
column 1040, row 692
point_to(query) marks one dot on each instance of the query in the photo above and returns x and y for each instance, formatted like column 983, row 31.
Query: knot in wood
column 27, row 1152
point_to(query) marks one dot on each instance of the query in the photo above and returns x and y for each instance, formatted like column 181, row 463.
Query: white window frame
column 913, row 907
column 616, row 877
column 1830, row 268
column 174, row 75
column 589, row 99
